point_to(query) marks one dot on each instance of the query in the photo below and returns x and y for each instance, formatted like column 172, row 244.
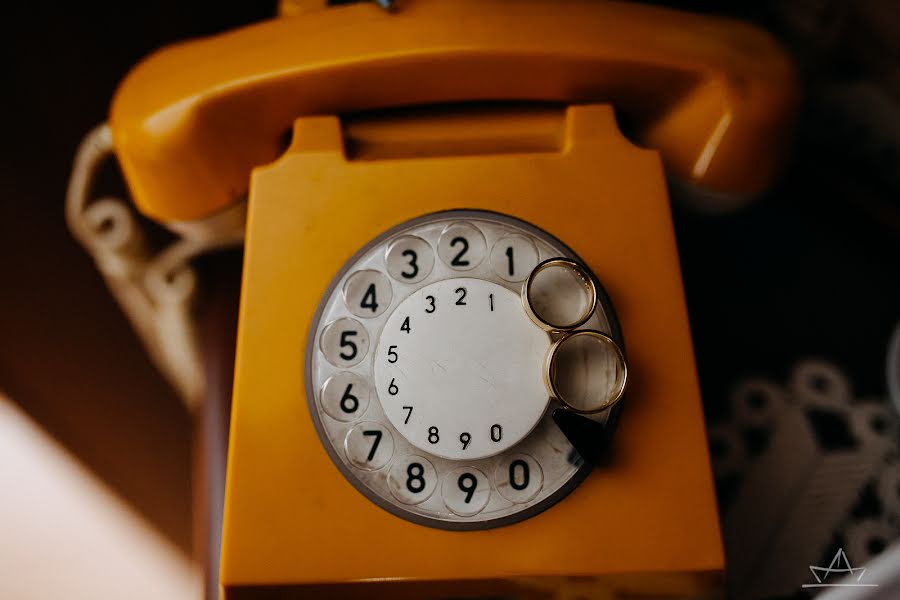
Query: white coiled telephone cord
column 155, row 290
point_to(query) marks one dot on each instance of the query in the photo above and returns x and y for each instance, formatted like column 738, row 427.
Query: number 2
column 461, row 301
column 458, row 260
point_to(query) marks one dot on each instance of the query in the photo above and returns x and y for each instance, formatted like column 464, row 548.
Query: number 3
column 412, row 256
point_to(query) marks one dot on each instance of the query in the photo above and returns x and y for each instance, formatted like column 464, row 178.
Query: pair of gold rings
column 585, row 369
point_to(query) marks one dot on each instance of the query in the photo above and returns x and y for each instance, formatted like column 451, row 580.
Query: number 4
column 368, row 299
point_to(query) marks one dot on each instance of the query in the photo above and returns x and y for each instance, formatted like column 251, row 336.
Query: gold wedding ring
column 548, row 291
column 599, row 359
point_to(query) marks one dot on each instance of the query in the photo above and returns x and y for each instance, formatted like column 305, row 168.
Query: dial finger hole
column 465, row 491
column 345, row 396
column 462, row 246
column 514, row 257
column 559, row 295
column 344, row 342
column 518, row 478
column 367, row 293
column 586, row 371
column 369, row 446
column 412, row 479
column 409, row 259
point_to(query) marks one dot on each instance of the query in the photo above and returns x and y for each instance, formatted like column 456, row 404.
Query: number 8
column 415, row 482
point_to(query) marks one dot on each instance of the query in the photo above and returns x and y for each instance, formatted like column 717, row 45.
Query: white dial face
column 425, row 374
column 452, row 357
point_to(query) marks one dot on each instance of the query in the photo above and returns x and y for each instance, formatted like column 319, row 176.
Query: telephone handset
column 715, row 97
column 435, row 196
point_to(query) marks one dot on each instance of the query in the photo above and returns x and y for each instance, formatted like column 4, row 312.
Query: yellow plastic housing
column 295, row 527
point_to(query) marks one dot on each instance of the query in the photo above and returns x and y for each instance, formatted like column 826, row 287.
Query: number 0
column 526, row 475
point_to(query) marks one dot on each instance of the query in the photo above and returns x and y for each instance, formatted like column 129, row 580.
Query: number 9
column 467, row 483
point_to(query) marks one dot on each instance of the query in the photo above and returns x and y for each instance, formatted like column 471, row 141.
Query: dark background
column 810, row 269
column 67, row 354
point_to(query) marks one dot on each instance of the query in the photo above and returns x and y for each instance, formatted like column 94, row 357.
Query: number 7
column 377, row 435
column 408, row 413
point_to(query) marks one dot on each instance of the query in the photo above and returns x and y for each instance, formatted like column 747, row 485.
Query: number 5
column 345, row 343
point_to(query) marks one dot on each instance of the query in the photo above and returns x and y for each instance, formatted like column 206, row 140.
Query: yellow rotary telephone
column 442, row 213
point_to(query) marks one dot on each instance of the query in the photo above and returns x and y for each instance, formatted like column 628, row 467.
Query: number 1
column 509, row 255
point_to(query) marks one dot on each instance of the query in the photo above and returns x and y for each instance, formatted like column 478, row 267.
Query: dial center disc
column 459, row 369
